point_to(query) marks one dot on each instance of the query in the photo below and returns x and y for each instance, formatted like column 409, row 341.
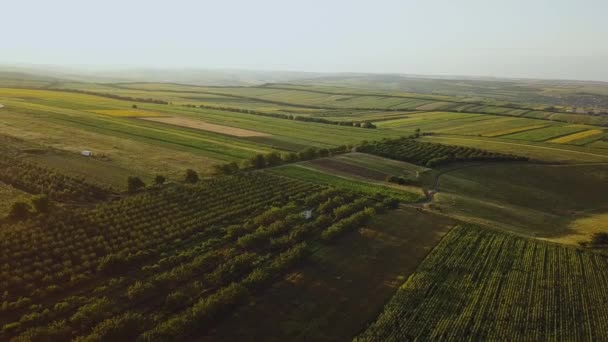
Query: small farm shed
column 307, row 214
column 86, row 153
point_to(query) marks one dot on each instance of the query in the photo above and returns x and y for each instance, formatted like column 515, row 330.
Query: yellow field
column 126, row 112
column 206, row 126
column 576, row 136
column 512, row 130
column 582, row 229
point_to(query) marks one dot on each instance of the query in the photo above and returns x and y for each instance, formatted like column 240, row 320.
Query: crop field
column 126, row 112
column 603, row 144
column 166, row 258
column 386, row 166
column 357, row 275
column 203, row 208
column 488, row 127
column 545, row 134
column 513, row 130
column 75, row 122
column 478, row 284
column 532, row 200
column 429, row 154
column 561, row 153
column 307, row 173
column 573, row 138
column 205, row 126
column 425, row 118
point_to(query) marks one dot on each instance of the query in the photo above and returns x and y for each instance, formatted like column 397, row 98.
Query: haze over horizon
column 519, row 39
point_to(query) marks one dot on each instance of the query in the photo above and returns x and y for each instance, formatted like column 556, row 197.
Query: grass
column 126, row 112
column 303, row 172
column 384, row 165
column 527, row 199
column 355, row 277
column 513, row 130
column 479, row 284
column 366, row 166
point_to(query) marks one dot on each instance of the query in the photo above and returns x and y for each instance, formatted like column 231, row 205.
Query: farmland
column 521, row 288
column 528, row 199
column 204, row 208
column 159, row 252
column 303, row 172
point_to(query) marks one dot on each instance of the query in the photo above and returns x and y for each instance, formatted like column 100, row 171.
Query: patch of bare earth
column 205, row 126
column 341, row 287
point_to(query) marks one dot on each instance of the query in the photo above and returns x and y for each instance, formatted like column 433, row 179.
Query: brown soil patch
column 205, row 126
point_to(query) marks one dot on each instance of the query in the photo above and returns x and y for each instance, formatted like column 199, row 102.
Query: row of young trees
column 260, row 161
column 183, row 255
column 431, row 154
column 34, row 179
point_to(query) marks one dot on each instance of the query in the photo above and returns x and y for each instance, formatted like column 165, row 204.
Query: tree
column 160, row 180
column 273, row 159
column 258, row 161
column 125, row 327
column 368, row 124
column 19, row 211
column 323, row 152
column 290, row 157
column 134, row 106
column 134, row 184
column 41, row 204
column 308, row 154
column 226, row 169
column 599, row 239
column 191, row 176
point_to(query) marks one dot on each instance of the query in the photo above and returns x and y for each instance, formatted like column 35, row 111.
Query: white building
column 86, row 153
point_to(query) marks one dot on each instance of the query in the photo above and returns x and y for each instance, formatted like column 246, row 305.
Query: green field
column 307, row 173
column 479, row 284
column 528, row 199
column 475, row 205
column 544, row 134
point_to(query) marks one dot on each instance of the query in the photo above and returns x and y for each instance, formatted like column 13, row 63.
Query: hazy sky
column 514, row 38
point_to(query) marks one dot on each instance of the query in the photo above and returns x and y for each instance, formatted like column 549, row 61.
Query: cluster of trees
column 34, row 179
column 134, row 184
column 362, row 124
column 597, row 240
column 431, row 154
column 232, row 236
column 59, row 252
column 115, row 96
column 260, row 161
column 22, row 210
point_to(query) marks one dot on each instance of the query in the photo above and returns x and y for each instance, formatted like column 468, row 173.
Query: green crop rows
column 478, row 284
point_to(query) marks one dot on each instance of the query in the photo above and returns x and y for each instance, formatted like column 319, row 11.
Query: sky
column 558, row 39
